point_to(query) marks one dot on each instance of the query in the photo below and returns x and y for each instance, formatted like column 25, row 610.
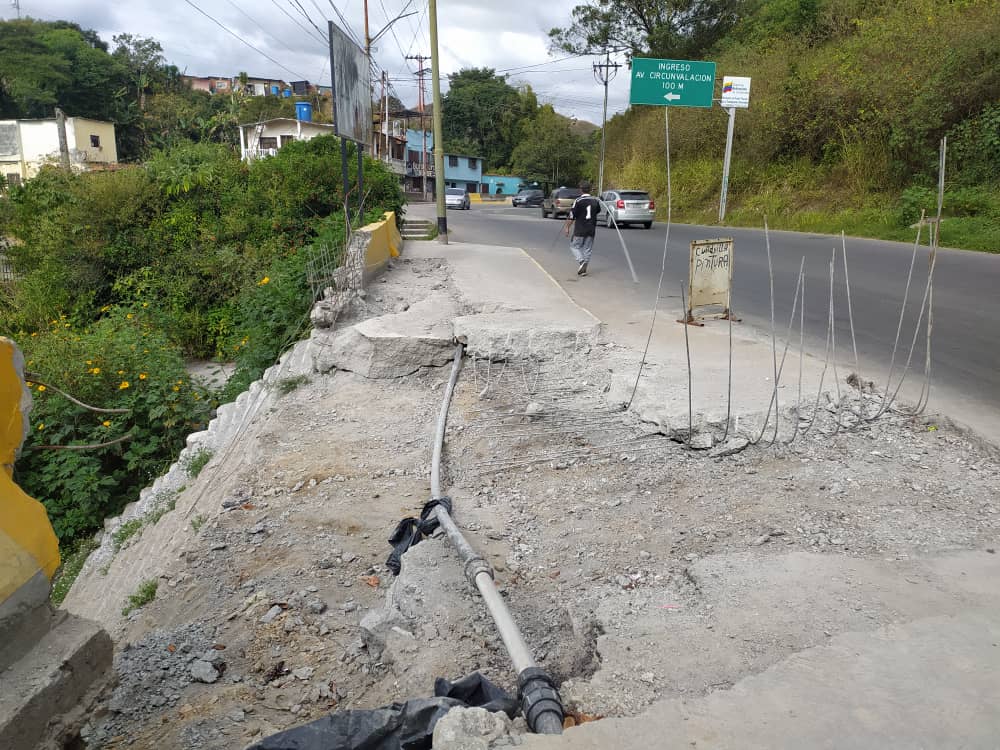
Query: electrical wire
column 257, row 24
column 298, row 23
column 244, row 41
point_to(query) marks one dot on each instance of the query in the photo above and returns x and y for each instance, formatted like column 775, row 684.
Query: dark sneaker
column 582, row 270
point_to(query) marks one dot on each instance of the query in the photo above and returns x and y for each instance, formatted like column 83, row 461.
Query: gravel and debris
column 637, row 568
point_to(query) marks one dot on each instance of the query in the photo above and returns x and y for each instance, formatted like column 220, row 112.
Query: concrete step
column 65, row 669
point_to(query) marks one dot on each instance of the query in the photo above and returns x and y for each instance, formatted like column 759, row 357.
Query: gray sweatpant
column 581, row 247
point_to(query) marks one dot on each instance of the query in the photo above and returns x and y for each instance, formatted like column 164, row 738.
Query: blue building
column 460, row 170
column 501, row 184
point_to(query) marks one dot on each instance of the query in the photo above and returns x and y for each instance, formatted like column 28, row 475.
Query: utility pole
column 604, row 72
column 442, row 216
column 421, row 70
column 17, row 7
column 63, row 143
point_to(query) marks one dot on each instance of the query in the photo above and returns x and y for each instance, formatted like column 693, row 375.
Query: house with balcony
column 409, row 152
column 27, row 145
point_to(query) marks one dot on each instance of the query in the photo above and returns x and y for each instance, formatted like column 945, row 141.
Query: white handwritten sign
column 710, row 275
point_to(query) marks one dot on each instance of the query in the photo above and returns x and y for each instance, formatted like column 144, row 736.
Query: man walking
column 583, row 218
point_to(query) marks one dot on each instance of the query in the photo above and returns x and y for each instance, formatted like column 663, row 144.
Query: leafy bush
column 119, row 362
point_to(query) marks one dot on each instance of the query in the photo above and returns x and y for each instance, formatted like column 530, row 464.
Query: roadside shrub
column 119, row 362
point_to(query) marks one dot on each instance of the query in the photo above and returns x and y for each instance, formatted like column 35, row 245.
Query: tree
column 548, row 151
column 43, row 65
column 143, row 59
column 481, row 110
column 661, row 28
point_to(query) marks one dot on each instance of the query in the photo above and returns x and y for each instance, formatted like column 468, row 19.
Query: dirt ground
column 637, row 567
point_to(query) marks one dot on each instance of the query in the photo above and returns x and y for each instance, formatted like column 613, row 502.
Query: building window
column 287, row 139
column 95, row 141
column 222, row 85
column 13, row 179
column 268, row 141
column 452, row 161
column 472, row 164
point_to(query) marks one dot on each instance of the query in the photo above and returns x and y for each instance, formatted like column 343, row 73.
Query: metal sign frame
column 350, row 73
column 704, row 262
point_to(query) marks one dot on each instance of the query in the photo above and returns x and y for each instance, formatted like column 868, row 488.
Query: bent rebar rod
column 540, row 700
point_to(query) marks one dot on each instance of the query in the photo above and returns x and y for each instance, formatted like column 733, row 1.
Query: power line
column 347, row 27
column 298, row 23
column 537, row 65
column 298, row 6
column 244, row 41
column 257, row 24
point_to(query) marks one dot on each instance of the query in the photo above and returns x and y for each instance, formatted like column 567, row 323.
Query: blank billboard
column 352, row 98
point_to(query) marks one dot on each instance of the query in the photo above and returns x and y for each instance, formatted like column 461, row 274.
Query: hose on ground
column 539, row 698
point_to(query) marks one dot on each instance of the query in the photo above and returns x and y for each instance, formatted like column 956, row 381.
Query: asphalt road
column 965, row 350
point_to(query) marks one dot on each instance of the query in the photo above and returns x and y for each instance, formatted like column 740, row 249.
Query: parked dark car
column 559, row 202
column 528, row 197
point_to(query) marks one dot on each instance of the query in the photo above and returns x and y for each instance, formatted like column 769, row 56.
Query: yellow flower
column 121, row 372
column 128, row 315
column 33, row 335
column 265, row 280
column 123, row 386
column 96, row 370
column 145, row 304
column 41, row 388
column 142, row 376
column 90, row 362
column 106, row 423
column 105, row 308
column 176, row 389
column 41, row 425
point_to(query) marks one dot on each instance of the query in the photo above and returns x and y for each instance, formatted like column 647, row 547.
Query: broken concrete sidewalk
column 506, row 306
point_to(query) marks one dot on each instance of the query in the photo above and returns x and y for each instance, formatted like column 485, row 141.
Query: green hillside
column 849, row 101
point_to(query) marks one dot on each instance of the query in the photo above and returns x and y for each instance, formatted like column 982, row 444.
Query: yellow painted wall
column 386, row 242
column 27, row 542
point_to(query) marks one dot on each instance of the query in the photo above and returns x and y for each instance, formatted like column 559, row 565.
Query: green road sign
column 672, row 83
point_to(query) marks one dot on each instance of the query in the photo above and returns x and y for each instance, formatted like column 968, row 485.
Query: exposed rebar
column 663, row 264
column 539, row 699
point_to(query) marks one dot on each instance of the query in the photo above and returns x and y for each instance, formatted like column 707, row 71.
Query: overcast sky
column 509, row 36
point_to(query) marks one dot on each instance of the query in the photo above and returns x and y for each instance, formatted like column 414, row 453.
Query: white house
column 259, row 139
column 26, row 145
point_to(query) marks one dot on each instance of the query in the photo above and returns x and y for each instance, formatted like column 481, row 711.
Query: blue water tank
column 275, row 90
column 287, row 93
column 304, row 111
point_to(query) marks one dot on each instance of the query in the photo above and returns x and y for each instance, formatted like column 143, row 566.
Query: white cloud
column 502, row 36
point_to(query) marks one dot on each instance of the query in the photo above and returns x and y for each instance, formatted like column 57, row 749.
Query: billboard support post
column 350, row 73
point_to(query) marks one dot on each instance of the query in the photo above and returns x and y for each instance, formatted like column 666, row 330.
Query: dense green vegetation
column 48, row 64
column 123, row 275
column 483, row 115
column 850, row 100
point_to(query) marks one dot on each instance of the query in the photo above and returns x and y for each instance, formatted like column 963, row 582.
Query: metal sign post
column 735, row 94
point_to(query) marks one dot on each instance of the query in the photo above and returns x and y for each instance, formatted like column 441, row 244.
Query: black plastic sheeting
column 410, row 531
column 400, row 726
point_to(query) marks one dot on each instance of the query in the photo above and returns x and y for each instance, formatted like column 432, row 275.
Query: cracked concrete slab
column 518, row 309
